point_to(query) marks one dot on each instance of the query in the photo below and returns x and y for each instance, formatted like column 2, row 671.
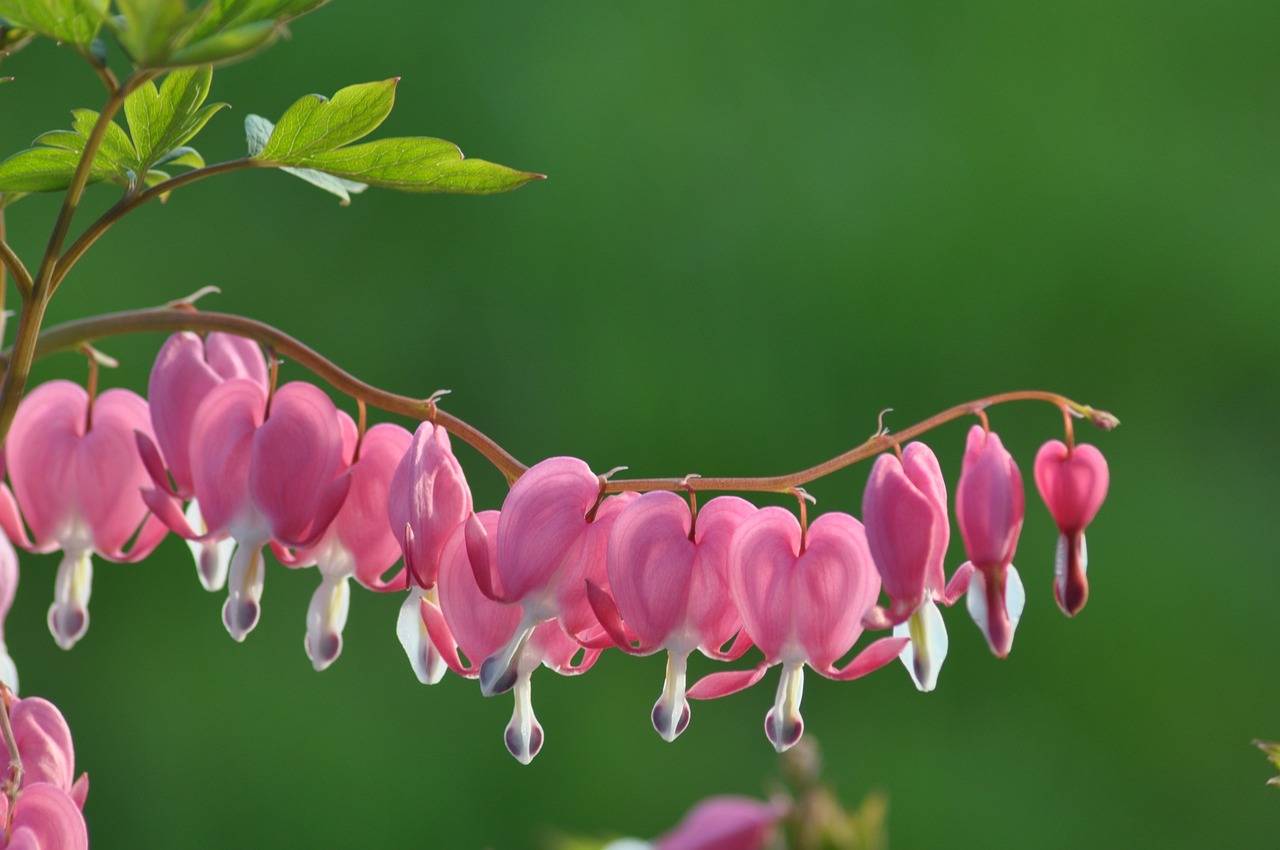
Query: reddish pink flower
column 76, row 477
column 1073, row 484
column 724, row 823
column 429, row 498
column 802, row 598
column 467, row 620
column 261, row 478
column 44, row 743
column 552, row 538
column 989, row 510
column 186, row 370
column 43, row 818
column 904, row 508
column 670, row 583
column 358, row 542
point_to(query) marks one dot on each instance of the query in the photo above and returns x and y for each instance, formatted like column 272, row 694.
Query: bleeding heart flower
column 429, row 498
column 358, row 542
column 467, row 620
column 44, row 743
column 724, row 823
column 186, row 370
column 989, row 510
column 552, row 539
column 43, row 818
column 1073, row 483
column 802, row 597
column 8, row 586
column 260, row 479
column 904, row 508
column 77, row 477
column 670, row 583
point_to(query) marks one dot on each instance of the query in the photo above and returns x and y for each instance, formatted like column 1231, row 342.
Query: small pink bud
column 1073, row 484
column 989, row 511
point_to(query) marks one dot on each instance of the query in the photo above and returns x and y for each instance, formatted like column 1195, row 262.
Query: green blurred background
column 763, row 224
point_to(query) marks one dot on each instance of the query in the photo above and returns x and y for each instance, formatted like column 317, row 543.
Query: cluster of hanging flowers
column 237, row 466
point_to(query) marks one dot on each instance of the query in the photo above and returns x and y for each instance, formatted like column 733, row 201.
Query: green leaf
column 314, row 125
column 236, row 43
column 72, row 21
column 258, row 130
column 218, row 16
column 7, row 198
column 162, row 120
column 418, row 165
column 147, row 28
column 49, row 165
column 45, row 170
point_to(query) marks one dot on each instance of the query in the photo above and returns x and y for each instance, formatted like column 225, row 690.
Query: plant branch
column 9, row 260
column 180, row 316
column 129, row 203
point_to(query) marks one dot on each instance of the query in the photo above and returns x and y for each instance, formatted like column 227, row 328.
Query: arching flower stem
column 71, row 335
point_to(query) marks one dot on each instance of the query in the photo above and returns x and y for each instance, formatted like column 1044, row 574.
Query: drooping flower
column 357, row 543
column 1073, row 483
column 904, row 508
column 261, row 478
column 467, row 620
column 43, row 818
column 989, row 511
column 670, row 584
column 186, row 370
column 428, row 500
column 44, row 743
column 802, row 596
column 76, row 478
column 552, row 539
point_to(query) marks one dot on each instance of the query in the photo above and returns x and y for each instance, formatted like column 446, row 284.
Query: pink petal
column 41, row 455
column 44, row 741
column 989, row 500
column 296, row 456
column 479, row 625
column 233, row 356
column 761, row 564
column 650, row 563
column 903, row 532
column 180, row 380
column 429, row 493
column 724, row 823
column 110, row 475
column 835, row 584
column 361, row 525
column 46, row 818
column 727, row 682
column 543, row 520
column 221, row 449
column 875, row 656
column 1073, row 484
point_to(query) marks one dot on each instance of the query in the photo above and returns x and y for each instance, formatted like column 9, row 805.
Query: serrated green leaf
column 222, row 15
column 314, row 125
column 147, row 28
column 72, row 21
column 45, row 170
column 418, row 165
column 163, row 119
column 258, row 130
column 236, row 43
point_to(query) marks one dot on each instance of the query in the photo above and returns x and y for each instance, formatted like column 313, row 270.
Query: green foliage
column 161, row 120
column 167, row 34
column 258, row 130
column 72, row 21
column 315, row 135
column 1272, row 751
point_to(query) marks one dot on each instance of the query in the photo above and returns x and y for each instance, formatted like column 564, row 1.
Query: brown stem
column 72, row 335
